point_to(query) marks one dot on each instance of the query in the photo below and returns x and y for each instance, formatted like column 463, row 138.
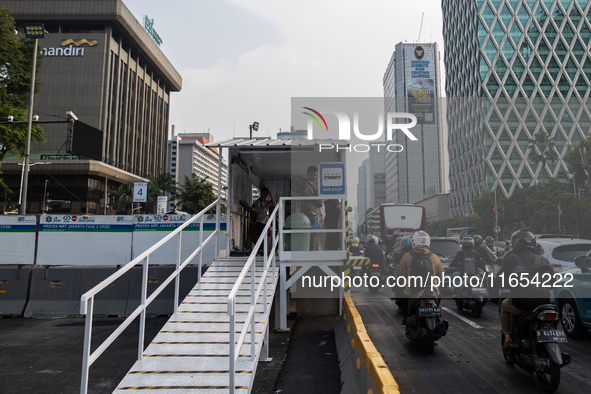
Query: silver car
column 562, row 251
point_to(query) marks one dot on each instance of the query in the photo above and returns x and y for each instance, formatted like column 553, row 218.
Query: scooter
column 375, row 270
column 473, row 298
column 535, row 347
column 425, row 324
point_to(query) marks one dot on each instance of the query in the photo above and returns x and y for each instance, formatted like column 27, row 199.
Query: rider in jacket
column 488, row 257
column 523, row 260
column 458, row 263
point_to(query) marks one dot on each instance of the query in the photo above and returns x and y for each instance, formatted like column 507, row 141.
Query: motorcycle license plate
column 478, row 290
column 429, row 312
column 551, row 336
column 357, row 267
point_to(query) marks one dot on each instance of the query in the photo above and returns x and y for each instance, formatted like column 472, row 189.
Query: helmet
column 477, row 241
column 489, row 240
column 523, row 238
column 421, row 238
column 467, row 243
column 355, row 240
column 405, row 242
column 370, row 239
column 507, row 242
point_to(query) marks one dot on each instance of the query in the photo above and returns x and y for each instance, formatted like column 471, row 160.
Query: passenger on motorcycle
column 523, row 260
column 375, row 254
column 420, row 243
column 488, row 257
column 355, row 249
column 467, row 262
column 490, row 243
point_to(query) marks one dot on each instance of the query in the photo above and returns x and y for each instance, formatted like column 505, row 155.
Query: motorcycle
column 425, row 324
column 473, row 298
column 375, row 270
column 535, row 347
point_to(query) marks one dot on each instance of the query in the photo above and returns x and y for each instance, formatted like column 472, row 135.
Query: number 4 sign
column 140, row 192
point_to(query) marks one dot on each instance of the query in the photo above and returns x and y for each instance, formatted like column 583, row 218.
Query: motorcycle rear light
column 556, row 267
column 375, row 265
column 428, row 293
column 453, row 256
column 429, row 305
column 548, row 316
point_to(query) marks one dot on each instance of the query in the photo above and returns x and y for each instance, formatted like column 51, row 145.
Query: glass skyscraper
column 514, row 68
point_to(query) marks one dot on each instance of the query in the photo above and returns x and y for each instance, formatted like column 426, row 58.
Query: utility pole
column 496, row 217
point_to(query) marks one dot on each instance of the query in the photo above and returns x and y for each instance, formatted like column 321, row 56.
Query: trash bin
column 301, row 241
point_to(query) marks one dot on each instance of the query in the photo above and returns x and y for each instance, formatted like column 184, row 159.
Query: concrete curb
column 363, row 369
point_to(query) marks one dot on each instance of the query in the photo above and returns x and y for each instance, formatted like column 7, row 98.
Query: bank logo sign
column 69, row 48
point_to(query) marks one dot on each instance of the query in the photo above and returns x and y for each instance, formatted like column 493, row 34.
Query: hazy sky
column 242, row 61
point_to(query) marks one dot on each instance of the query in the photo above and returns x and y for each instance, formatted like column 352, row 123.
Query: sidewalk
column 45, row 356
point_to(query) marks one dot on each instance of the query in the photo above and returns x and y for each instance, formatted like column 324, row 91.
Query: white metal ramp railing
column 87, row 299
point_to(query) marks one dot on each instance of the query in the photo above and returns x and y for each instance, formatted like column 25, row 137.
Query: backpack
column 532, row 291
column 421, row 266
column 469, row 264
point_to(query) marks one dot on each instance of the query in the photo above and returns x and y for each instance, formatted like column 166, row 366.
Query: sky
column 243, row 61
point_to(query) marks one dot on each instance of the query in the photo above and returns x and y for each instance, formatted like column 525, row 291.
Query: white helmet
column 421, row 238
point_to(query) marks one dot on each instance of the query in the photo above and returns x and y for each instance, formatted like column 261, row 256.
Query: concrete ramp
column 191, row 352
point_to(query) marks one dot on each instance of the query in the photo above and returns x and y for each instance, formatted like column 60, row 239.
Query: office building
column 514, row 69
column 412, row 84
column 188, row 155
column 106, row 67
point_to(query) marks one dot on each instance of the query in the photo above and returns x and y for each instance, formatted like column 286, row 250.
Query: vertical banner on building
column 162, row 203
column 420, row 87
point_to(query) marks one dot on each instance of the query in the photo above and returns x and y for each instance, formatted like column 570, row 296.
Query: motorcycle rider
column 420, row 243
column 523, row 260
column 355, row 249
column 488, row 257
column 375, row 254
column 490, row 243
column 459, row 262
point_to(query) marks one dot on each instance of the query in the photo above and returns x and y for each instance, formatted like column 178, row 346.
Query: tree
column 196, row 194
column 578, row 161
column 16, row 58
column 123, row 198
column 543, row 149
column 159, row 185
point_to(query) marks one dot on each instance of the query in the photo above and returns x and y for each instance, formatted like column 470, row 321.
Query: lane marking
column 462, row 318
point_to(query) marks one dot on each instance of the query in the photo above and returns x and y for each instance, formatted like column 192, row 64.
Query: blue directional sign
column 332, row 180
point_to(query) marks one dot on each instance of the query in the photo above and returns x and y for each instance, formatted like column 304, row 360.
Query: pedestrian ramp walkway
column 191, row 353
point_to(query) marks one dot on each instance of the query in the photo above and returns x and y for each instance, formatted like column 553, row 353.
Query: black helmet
column 507, row 242
column 477, row 241
column 467, row 243
column 489, row 240
column 523, row 238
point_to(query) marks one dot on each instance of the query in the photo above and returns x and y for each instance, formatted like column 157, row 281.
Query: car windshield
column 444, row 248
column 570, row 252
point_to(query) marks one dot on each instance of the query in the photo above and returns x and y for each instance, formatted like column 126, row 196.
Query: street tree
column 16, row 58
column 542, row 150
column 195, row 194
column 578, row 161
column 159, row 185
column 123, row 198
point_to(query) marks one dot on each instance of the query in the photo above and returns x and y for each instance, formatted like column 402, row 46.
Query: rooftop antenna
column 421, row 28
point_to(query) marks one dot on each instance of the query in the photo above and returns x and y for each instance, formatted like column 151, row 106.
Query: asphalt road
column 468, row 359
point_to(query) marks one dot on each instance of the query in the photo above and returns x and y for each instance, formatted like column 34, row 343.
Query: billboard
column 421, row 99
column 86, row 141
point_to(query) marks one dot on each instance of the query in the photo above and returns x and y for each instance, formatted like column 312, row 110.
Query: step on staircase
column 190, row 354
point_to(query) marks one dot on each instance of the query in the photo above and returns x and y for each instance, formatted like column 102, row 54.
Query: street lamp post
column 34, row 31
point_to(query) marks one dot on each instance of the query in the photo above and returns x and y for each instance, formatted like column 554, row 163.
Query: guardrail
column 87, row 299
column 269, row 260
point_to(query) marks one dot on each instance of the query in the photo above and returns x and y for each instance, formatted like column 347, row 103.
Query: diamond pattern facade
column 514, row 68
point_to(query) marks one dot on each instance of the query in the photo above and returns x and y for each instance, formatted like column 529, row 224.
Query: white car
column 561, row 251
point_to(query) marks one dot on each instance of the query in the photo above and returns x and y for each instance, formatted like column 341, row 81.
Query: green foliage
column 543, row 149
column 159, row 185
column 196, row 194
column 16, row 59
column 123, row 199
column 578, row 160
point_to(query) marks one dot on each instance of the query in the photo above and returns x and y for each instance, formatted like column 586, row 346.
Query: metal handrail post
column 281, row 214
column 86, row 354
column 218, row 207
column 232, row 353
column 201, row 252
column 177, row 279
column 275, row 229
column 140, row 352
column 253, row 305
